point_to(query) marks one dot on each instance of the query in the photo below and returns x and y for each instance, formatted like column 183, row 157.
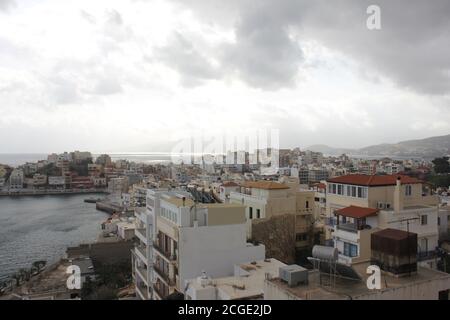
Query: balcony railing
column 160, row 292
column 143, row 291
column 163, row 275
column 349, row 227
column 142, row 251
column 427, row 255
column 170, row 256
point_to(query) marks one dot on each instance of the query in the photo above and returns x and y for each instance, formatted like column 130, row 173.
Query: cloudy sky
column 135, row 75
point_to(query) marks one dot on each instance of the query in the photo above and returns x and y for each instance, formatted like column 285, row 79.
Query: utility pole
column 407, row 220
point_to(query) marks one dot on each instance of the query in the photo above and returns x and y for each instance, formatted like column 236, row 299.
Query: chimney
column 398, row 195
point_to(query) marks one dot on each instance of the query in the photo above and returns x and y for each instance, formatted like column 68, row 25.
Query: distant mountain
column 424, row 148
column 327, row 150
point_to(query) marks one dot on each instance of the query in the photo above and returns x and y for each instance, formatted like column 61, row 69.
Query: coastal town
column 233, row 231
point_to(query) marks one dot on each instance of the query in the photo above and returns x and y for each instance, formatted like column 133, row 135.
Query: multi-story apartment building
column 57, row 182
column 16, row 179
column 393, row 168
column 317, row 174
column 180, row 239
column 267, row 199
column 39, row 180
column 358, row 205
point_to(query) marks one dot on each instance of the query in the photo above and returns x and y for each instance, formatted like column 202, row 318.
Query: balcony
column 163, row 275
column 172, row 257
column 159, row 292
column 349, row 227
column 142, row 292
column 141, row 234
column 142, row 272
column 140, row 213
column 141, row 252
column 426, row 255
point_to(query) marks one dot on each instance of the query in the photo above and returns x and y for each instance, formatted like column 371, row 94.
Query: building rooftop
column 357, row 212
column 266, row 185
column 230, row 184
column 248, row 284
column 393, row 234
column 374, row 180
column 345, row 289
column 179, row 202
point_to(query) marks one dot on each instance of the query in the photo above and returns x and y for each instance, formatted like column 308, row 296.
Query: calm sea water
column 41, row 228
column 16, row 159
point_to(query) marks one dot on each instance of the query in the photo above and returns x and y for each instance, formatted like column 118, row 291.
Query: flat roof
column 266, row 185
column 346, row 288
column 248, row 285
column 179, row 202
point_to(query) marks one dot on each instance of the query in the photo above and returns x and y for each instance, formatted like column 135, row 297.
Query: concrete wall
column 426, row 290
column 214, row 249
column 222, row 215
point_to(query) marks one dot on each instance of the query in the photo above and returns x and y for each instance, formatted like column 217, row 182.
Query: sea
column 42, row 227
column 17, row 159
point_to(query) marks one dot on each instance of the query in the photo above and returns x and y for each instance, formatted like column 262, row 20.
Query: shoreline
column 50, row 192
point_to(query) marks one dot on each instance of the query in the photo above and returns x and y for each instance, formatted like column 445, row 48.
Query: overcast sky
column 135, row 75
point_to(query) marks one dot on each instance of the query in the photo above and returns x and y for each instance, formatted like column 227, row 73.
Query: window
column 354, row 192
column 307, row 205
column 301, row 237
column 439, row 221
column 424, row 220
column 258, row 213
column 340, row 189
column 360, row 193
column 250, row 213
column 334, row 189
column 408, row 190
column 350, row 250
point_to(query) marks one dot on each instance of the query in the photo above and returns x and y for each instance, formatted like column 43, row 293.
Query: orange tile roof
column 374, row 180
column 266, row 185
column 356, row 212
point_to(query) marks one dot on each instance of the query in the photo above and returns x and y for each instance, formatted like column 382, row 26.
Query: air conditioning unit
column 294, row 275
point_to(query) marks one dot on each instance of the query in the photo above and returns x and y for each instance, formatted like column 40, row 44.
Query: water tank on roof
column 325, row 253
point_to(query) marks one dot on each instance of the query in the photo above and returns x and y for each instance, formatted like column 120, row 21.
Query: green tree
column 441, row 165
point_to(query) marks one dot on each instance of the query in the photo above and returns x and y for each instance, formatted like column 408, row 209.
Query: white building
column 16, row 179
column 57, row 182
column 179, row 239
column 246, row 283
column 358, row 205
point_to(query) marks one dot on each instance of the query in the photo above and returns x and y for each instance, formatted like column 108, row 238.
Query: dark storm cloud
column 412, row 48
column 181, row 55
column 264, row 55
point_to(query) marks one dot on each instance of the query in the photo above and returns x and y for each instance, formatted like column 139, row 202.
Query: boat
column 91, row 200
